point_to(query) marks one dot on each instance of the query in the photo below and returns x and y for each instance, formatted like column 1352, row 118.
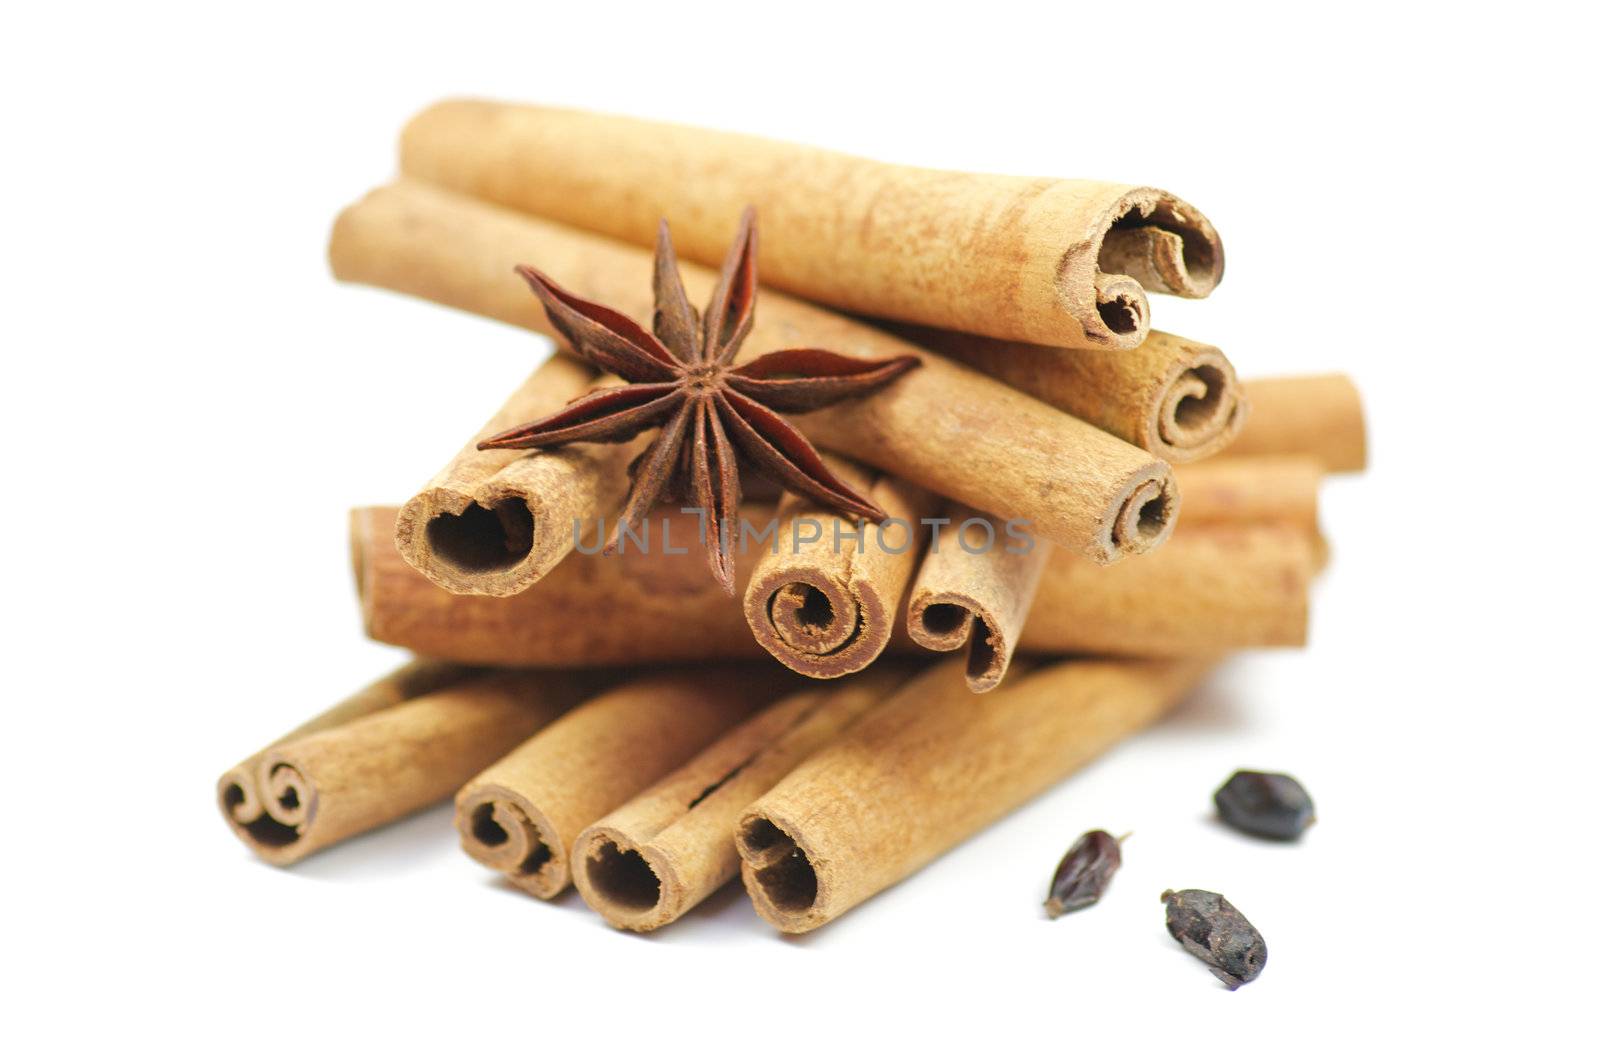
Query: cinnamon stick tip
column 1122, row 314
column 1202, row 407
column 814, row 622
column 1146, row 516
column 502, row 831
column 269, row 807
column 1163, row 243
column 944, row 623
column 777, row 872
column 472, row 546
column 624, row 882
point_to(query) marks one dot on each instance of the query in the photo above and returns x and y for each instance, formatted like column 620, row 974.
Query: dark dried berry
column 1266, row 805
column 1083, row 874
column 1212, row 929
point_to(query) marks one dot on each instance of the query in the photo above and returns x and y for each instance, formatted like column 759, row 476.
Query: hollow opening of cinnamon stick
column 1146, row 516
column 483, row 539
column 1120, row 312
column 1199, row 398
column 804, row 617
column 264, row 829
column 505, row 837
column 946, row 626
column 945, row 619
column 815, row 613
column 623, row 877
column 485, row 829
column 1162, row 251
column 782, row 870
column 980, row 649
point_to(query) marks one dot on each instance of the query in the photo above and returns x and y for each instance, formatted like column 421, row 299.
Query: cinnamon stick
column 930, row 768
column 824, row 601
column 975, row 591
column 630, row 608
column 1320, row 416
column 943, row 426
column 521, row 815
column 1065, row 262
column 647, row 863
column 1262, row 489
column 495, row 521
column 401, row 744
column 1212, row 588
column 1208, row 589
column 1178, row 399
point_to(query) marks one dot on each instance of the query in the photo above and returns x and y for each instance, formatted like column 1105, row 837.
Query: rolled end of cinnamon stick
column 1163, row 243
column 823, row 605
column 949, row 621
column 503, row 830
column 631, row 883
column 783, row 885
column 270, row 808
column 495, row 522
column 273, row 828
column 470, row 547
column 1201, row 407
column 1148, row 241
column 816, row 621
column 360, row 766
column 506, row 533
column 1174, row 397
column 1143, row 514
column 977, row 596
column 239, row 797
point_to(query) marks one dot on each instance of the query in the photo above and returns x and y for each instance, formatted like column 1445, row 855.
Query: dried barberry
column 1265, row 804
column 1215, row 931
column 1083, row 874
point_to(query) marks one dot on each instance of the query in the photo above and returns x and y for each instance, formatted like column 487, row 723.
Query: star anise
column 710, row 413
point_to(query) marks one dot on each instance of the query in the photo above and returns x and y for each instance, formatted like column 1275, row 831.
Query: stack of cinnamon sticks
column 1084, row 514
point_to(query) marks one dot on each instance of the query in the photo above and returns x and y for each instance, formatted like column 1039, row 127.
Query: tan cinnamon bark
column 495, row 521
column 827, row 608
column 1065, row 262
column 629, row 608
column 1178, row 399
column 943, row 426
column 974, row 589
column 1316, row 415
column 930, row 768
column 650, row 861
column 1208, row 589
column 238, row 790
column 371, row 760
column 521, row 815
column 1212, row 588
column 1264, row 489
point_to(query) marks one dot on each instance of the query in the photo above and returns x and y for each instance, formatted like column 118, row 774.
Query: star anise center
column 703, row 378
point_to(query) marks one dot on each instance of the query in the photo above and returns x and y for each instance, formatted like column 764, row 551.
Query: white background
column 191, row 404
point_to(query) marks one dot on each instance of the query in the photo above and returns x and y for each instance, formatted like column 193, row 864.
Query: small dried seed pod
column 1083, row 874
column 1214, row 930
column 1265, row 804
